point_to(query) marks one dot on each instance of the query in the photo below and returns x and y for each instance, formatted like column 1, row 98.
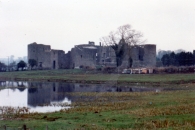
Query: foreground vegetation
column 96, row 77
column 147, row 110
column 122, row 110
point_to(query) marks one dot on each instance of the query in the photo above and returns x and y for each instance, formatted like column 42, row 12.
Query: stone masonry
column 90, row 55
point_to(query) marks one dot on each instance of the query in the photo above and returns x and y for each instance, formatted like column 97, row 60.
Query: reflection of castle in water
column 40, row 93
column 45, row 93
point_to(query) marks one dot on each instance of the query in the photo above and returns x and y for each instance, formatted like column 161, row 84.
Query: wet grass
column 146, row 110
column 89, row 77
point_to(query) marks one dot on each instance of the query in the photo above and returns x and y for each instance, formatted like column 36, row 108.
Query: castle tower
column 41, row 53
column 149, row 57
column 143, row 56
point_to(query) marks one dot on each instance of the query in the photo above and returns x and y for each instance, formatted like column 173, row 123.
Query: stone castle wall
column 91, row 55
column 40, row 53
column 45, row 57
column 84, row 55
column 68, row 61
column 105, row 56
column 149, row 59
column 142, row 56
column 57, row 57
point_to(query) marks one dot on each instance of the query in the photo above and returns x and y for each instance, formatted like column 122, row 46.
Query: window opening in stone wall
column 141, row 54
column 54, row 88
column 40, row 64
column 73, row 65
column 81, row 56
column 140, row 57
column 54, row 64
column 104, row 55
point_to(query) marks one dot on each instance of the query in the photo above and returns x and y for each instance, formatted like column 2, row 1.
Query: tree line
column 13, row 66
column 20, row 65
column 179, row 59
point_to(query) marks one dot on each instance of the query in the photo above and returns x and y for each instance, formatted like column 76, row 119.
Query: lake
column 46, row 96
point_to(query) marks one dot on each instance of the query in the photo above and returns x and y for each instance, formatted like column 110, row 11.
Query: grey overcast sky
column 170, row 24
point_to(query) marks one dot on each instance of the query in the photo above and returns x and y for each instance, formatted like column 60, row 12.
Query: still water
column 42, row 96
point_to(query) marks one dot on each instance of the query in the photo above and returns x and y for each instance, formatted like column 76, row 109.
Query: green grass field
column 124, row 110
column 147, row 110
column 87, row 76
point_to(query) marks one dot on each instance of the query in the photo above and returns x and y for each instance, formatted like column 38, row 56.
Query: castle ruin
column 91, row 55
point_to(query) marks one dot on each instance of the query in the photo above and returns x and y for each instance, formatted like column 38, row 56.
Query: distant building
column 45, row 56
column 90, row 55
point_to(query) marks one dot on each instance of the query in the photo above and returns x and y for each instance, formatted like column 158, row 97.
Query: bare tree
column 122, row 39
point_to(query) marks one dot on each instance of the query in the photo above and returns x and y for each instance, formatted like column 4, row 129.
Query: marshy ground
column 146, row 110
column 83, row 76
column 116, row 110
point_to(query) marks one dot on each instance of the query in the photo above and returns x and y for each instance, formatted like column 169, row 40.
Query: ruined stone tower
column 84, row 55
column 91, row 55
column 45, row 57
column 137, row 56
